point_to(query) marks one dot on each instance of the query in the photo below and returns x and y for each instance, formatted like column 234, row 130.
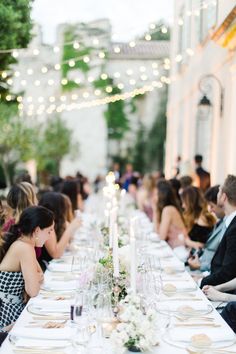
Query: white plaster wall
column 184, row 96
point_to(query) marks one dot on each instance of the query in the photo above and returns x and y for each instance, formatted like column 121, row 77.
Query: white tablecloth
column 163, row 347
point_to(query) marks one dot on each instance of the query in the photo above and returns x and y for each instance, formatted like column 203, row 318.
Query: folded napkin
column 51, row 305
column 154, row 237
column 160, row 253
column 38, row 344
column 182, row 285
column 176, row 305
column 215, row 334
column 43, row 333
column 50, row 285
column 174, row 278
column 60, row 267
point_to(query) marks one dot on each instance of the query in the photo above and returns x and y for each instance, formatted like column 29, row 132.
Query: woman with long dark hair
column 198, row 220
column 168, row 220
column 19, row 268
column 64, row 231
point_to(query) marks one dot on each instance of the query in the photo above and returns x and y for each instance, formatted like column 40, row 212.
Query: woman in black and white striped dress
column 19, row 270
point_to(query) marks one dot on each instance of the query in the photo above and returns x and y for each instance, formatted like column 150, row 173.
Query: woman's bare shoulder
column 21, row 246
column 170, row 209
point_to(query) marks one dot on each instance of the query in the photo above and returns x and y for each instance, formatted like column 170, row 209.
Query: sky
column 129, row 18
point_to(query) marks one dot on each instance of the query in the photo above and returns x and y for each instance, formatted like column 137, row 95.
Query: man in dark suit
column 223, row 265
column 203, row 178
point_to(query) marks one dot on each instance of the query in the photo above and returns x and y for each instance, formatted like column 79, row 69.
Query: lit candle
column 113, row 216
column 106, row 213
column 116, row 267
column 133, row 269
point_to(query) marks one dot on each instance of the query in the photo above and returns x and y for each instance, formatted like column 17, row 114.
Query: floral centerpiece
column 136, row 332
column 106, row 265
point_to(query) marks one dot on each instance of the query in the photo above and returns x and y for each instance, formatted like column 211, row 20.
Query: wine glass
column 81, row 338
column 103, row 312
column 77, row 307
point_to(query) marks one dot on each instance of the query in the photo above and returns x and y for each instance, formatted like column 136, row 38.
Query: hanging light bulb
column 57, row 66
column 44, row 69
column 76, row 45
column 15, row 54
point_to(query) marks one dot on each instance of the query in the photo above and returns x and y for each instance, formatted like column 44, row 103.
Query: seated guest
column 20, row 196
column 198, row 220
column 69, row 210
column 185, row 181
column 133, row 187
column 175, row 183
column 145, row 195
column 204, row 262
column 71, row 188
column 19, row 269
column 223, row 264
column 219, row 293
column 168, row 220
column 2, row 215
column 64, row 231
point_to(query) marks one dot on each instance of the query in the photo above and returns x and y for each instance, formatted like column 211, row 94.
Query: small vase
column 134, row 349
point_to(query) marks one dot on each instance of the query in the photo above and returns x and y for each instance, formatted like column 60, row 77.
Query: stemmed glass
column 103, row 312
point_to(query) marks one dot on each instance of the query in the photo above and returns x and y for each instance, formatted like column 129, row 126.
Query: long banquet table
column 168, row 259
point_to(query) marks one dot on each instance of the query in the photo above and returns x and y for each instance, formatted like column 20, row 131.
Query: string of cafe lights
column 153, row 28
column 94, row 102
column 101, row 55
column 143, row 75
column 75, row 96
column 195, row 11
column 165, row 63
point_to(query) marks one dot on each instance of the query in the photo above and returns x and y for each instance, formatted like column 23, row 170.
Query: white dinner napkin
column 43, row 333
column 176, row 305
column 160, row 253
column 154, row 237
column 50, row 285
column 215, row 334
column 182, row 285
column 37, row 343
column 52, row 305
column 60, row 267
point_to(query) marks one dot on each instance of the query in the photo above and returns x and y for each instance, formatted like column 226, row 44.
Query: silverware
column 209, row 351
column 201, row 318
column 197, row 325
column 48, row 317
column 37, row 351
column 182, row 299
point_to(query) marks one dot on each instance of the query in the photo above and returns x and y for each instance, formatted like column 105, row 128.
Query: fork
column 209, row 351
column 183, row 318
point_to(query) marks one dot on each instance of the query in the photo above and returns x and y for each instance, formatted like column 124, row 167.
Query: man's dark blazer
column 223, row 264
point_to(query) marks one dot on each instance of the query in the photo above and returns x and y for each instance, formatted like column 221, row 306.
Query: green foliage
column 155, row 147
column 69, row 52
column 16, row 138
column 54, row 142
column 115, row 115
column 15, row 30
column 157, row 34
column 139, row 150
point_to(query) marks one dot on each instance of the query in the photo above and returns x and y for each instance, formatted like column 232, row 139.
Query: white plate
column 196, row 313
column 187, row 344
column 39, row 310
column 60, row 290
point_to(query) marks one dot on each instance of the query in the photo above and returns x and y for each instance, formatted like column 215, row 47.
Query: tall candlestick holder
column 116, row 291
